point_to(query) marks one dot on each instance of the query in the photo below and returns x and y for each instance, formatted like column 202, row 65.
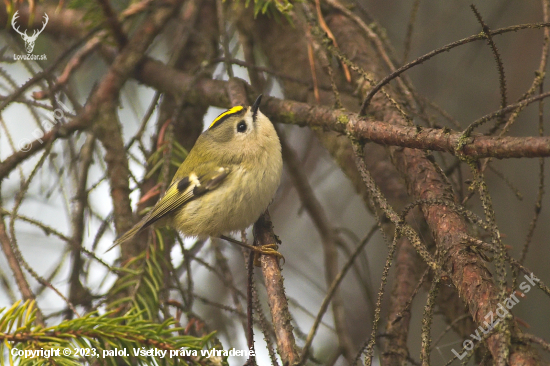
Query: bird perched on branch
column 226, row 182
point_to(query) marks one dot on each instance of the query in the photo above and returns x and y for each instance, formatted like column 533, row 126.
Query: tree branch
column 286, row 345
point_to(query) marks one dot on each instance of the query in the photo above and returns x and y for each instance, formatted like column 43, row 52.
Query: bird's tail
column 130, row 233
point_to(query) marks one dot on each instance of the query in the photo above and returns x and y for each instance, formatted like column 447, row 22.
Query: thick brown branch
column 407, row 267
column 15, row 267
column 286, row 345
column 426, row 181
column 113, row 23
column 108, row 129
column 214, row 92
column 381, row 132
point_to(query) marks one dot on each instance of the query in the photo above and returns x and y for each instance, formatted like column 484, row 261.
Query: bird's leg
column 267, row 249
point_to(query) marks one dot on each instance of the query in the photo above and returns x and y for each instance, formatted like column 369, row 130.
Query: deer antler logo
column 29, row 40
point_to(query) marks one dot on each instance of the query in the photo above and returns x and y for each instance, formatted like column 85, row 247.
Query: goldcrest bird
column 227, row 180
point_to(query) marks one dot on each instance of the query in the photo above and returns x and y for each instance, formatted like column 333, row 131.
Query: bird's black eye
column 241, row 127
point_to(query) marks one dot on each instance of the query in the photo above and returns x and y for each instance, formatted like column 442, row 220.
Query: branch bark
column 286, row 344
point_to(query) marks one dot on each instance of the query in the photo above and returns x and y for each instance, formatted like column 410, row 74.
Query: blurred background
column 463, row 82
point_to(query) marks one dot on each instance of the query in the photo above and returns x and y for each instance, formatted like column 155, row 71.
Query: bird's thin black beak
column 256, row 106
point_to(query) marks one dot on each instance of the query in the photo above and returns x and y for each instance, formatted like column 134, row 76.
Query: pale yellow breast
column 236, row 204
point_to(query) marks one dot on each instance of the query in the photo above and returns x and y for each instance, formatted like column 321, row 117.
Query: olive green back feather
column 180, row 192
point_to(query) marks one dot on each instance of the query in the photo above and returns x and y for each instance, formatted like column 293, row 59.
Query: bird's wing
column 178, row 194
column 186, row 189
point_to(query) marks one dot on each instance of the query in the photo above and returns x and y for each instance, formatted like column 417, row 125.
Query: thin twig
column 435, row 52
column 500, row 66
column 225, row 39
column 328, row 239
column 410, row 27
column 332, row 289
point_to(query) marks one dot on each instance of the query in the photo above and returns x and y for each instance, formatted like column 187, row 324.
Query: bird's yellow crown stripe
column 225, row 114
